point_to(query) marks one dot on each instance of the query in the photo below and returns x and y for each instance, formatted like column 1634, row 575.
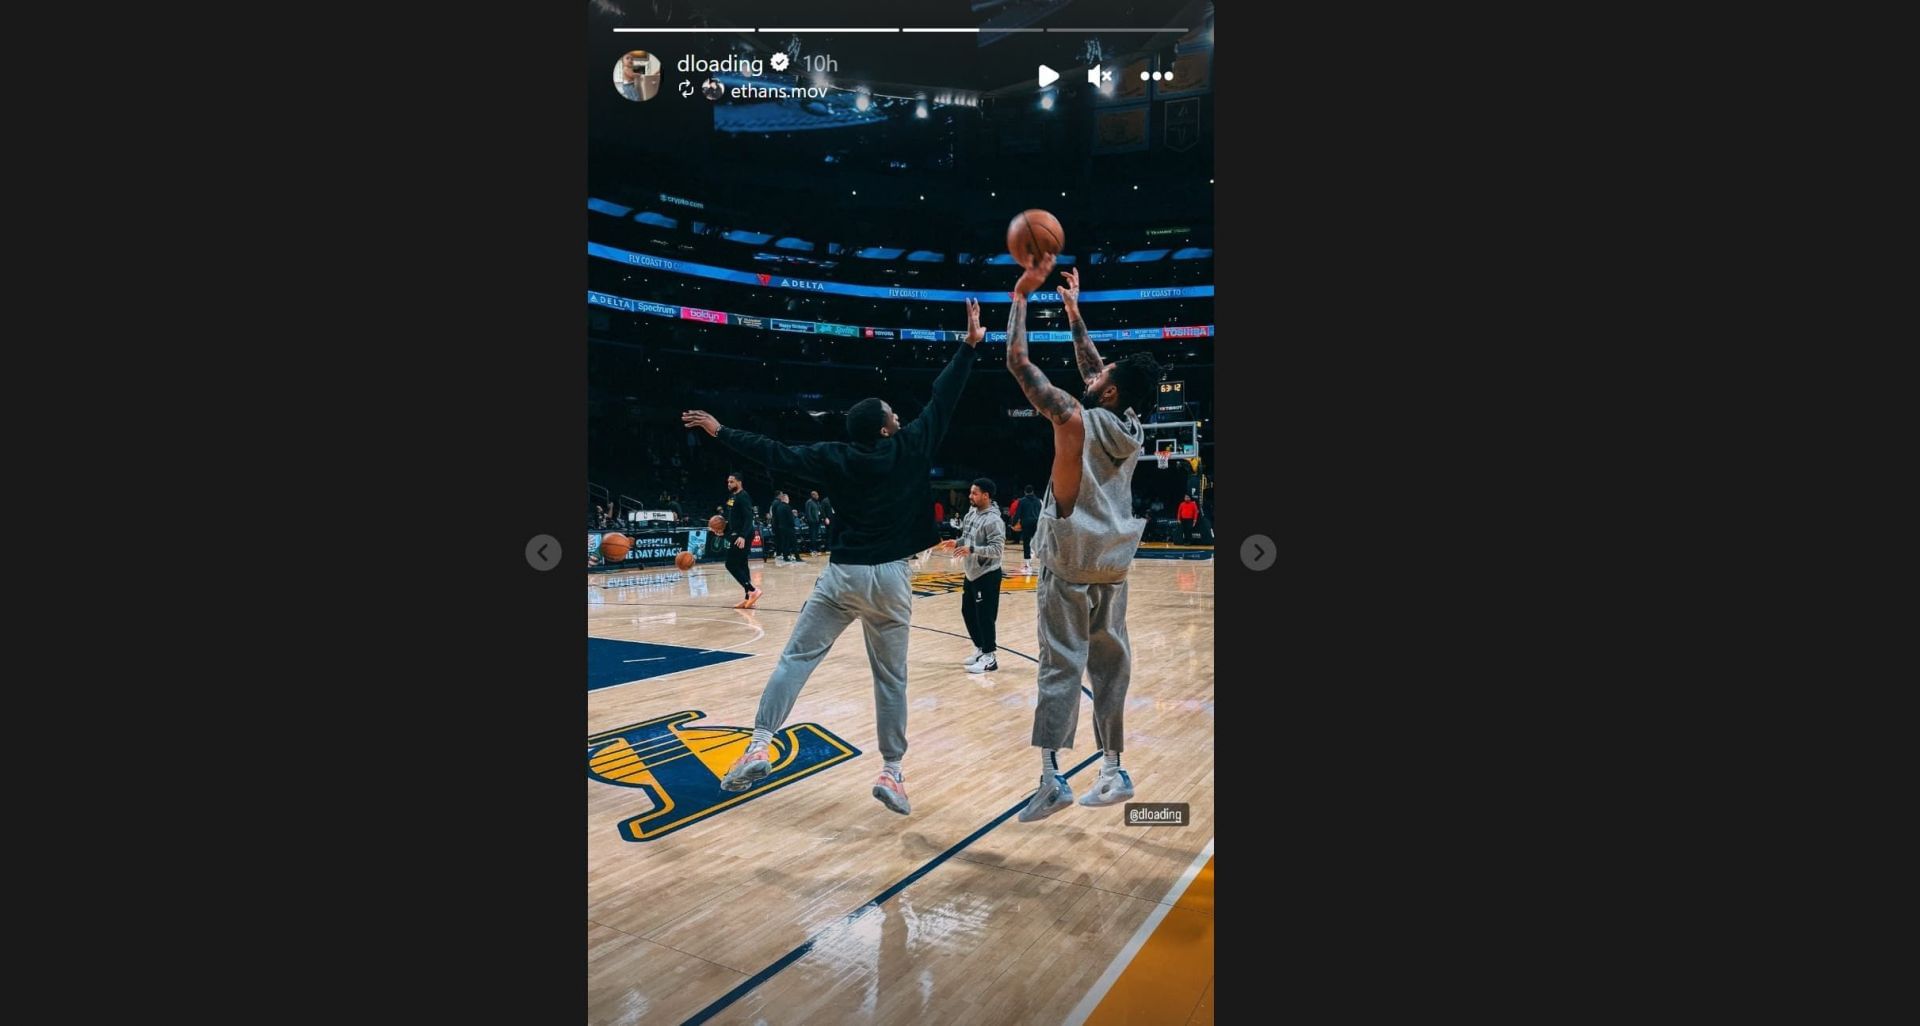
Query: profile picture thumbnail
column 637, row 75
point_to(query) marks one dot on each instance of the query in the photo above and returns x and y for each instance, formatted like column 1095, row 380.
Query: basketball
column 717, row 524
column 1033, row 234
column 684, row 561
column 615, row 547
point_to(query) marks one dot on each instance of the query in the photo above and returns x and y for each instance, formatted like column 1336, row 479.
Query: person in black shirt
column 813, row 523
column 1029, row 522
column 830, row 523
column 882, row 476
column 738, row 512
column 783, row 540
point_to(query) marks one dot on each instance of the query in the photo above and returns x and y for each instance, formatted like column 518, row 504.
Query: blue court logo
column 678, row 767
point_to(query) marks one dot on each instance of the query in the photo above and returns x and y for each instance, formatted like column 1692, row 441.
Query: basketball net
column 1162, row 458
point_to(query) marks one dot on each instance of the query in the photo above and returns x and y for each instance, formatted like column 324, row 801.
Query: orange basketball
column 717, row 524
column 615, row 547
column 684, row 561
column 1033, row 234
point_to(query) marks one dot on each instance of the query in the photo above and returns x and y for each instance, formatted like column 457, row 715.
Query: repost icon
column 686, row 88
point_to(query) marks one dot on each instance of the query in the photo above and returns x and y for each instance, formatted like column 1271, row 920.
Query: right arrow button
column 1258, row 552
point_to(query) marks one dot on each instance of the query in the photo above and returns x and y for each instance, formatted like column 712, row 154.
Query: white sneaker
column 985, row 663
column 1112, row 787
column 974, row 658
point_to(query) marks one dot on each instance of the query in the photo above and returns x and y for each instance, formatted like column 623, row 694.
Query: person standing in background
column 1029, row 522
column 983, row 537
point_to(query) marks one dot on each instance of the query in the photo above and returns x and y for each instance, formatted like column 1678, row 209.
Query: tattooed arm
column 1084, row 354
column 1052, row 403
column 1069, row 430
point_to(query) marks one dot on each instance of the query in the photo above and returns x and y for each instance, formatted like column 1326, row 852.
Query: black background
column 368, row 803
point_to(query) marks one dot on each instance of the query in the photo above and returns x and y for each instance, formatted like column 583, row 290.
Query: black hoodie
column 883, row 482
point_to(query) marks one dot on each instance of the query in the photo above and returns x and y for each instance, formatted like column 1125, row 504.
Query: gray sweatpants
column 1082, row 626
column 881, row 598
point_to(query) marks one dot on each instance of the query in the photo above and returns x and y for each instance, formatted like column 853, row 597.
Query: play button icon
column 1048, row 76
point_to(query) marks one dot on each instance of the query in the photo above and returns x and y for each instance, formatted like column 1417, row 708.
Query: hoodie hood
column 1116, row 437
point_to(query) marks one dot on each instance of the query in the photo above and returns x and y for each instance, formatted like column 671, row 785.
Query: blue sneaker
column 752, row 766
column 1052, row 796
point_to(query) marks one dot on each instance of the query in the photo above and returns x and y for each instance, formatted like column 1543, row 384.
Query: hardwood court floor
column 806, row 901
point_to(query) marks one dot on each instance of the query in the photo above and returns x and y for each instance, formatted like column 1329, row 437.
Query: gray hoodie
column 1096, row 544
column 985, row 533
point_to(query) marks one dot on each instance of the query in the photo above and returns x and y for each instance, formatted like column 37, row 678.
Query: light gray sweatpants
column 1082, row 626
column 881, row 598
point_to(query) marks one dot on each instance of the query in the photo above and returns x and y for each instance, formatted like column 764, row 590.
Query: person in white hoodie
column 983, row 537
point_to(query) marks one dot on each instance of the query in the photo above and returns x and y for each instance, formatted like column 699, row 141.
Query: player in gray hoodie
column 983, row 537
column 1084, row 546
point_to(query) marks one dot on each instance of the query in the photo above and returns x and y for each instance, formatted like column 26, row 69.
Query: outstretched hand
column 1070, row 291
column 701, row 419
column 1035, row 276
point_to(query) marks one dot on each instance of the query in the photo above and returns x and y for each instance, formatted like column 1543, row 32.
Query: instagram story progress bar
column 718, row 31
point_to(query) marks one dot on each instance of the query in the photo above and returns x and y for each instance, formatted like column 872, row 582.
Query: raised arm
column 1069, row 429
column 1052, row 403
column 933, row 420
column 1087, row 357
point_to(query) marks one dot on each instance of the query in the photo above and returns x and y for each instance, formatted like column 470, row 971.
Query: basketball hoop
column 1161, row 458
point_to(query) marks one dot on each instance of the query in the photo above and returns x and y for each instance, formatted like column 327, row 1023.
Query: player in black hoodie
column 882, row 476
